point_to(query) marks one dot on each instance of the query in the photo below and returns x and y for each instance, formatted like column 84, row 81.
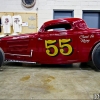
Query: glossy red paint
column 55, row 46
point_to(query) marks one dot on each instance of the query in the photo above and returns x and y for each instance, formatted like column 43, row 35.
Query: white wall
column 46, row 7
column 14, row 6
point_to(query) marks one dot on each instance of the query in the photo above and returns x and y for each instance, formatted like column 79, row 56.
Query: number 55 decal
column 63, row 43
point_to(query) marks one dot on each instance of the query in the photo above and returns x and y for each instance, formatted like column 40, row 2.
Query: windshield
column 58, row 27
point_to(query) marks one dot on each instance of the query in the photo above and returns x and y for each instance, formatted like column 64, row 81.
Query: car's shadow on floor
column 75, row 66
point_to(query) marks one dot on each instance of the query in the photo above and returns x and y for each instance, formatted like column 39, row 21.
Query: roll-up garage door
column 63, row 14
column 92, row 19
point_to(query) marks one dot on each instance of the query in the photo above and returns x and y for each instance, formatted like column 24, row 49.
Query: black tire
column 2, row 57
column 96, row 57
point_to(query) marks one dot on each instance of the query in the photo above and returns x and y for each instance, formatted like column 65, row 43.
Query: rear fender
column 91, row 50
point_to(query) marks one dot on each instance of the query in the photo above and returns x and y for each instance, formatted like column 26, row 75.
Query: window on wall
column 63, row 14
column 92, row 18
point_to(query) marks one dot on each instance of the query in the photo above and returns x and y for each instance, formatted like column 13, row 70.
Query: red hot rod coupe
column 59, row 41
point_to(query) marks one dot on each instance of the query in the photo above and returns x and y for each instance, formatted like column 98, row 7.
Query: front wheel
column 2, row 57
column 96, row 57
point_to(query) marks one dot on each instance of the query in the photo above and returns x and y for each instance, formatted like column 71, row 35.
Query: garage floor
column 48, row 82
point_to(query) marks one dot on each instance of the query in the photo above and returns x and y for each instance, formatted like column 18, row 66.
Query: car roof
column 62, row 20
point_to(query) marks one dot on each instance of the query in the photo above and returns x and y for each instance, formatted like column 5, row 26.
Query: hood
column 21, row 36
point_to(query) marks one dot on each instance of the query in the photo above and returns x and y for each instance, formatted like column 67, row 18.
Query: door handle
column 39, row 39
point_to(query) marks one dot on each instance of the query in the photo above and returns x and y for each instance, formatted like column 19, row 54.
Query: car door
column 57, row 47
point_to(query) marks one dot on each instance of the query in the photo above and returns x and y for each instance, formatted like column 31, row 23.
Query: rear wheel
column 2, row 57
column 96, row 57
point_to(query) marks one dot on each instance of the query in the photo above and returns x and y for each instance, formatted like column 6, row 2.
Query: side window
column 59, row 27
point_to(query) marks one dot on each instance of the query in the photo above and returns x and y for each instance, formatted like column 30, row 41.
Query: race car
column 59, row 41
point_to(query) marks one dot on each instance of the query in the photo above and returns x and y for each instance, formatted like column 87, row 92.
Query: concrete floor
column 43, row 82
